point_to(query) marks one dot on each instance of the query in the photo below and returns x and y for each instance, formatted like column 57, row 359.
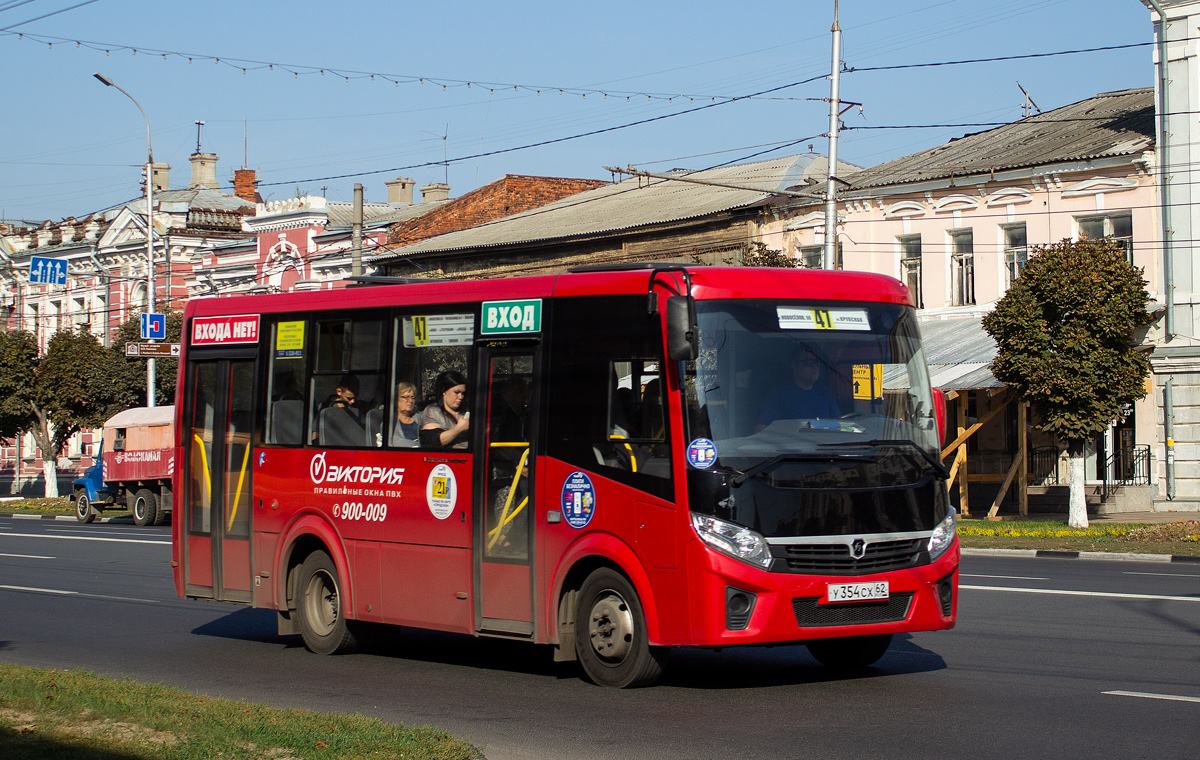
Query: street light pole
column 150, row 379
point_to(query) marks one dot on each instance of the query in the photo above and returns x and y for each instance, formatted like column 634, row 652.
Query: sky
column 317, row 96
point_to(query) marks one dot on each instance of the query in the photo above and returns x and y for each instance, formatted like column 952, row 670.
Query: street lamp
column 149, row 228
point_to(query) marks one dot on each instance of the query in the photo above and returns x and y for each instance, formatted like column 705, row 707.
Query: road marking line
column 26, row 556
column 60, row 592
column 1168, row 575
column 1006, row 577
column 1062, row 592
column 89, row 538
column 1148, row 695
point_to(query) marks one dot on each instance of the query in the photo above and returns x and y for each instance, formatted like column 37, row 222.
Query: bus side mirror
column 939, row 411
column 681, row 328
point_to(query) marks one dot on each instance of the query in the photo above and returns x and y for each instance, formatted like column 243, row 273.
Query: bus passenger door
column 504, row 508
column 216, row 502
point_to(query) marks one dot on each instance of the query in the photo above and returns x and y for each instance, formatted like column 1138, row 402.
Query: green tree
column 129, row 374
column 1065, row 337
column 757, row 254
column 53, row 396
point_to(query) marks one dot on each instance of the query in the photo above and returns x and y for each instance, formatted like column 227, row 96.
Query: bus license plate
column 857, row 592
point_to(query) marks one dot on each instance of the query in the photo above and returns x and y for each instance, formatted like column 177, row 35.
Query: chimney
column 245, row 185
column 204, row 171
column 435, row 191
column 161, row 175
column 400, row 191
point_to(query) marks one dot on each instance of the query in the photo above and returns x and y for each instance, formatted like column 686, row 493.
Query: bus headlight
column 735, row 540
column 943, row 536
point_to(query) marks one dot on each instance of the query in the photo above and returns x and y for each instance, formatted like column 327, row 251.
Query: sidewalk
column 1120, row 517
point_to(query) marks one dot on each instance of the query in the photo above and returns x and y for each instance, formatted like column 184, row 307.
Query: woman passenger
column 445, row 423
column 405, row 428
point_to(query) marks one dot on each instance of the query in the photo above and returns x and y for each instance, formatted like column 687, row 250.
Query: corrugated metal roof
column 627, row 205
column 1109, row 124
column 199, row 198
column 959, row 351
column 342, row 214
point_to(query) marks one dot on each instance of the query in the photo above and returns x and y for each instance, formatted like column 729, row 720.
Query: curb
column 1058, row 554
column 68, row 518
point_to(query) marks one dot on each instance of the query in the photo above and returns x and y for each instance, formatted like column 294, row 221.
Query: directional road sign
column 154, row 326
column 152, row 349
column 47, row 271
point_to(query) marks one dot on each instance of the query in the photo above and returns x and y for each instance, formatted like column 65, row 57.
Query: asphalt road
column 1051, row 658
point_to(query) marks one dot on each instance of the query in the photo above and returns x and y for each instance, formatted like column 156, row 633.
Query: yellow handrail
column 505, row 517
column 204, row 461
column 238, row 495
column 632, row 458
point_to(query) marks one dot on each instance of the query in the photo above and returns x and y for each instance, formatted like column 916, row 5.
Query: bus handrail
column 505, row 517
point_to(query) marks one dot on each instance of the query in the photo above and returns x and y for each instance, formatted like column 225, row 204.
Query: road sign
column 47, row 271
column 152, row 349
column 154, row 326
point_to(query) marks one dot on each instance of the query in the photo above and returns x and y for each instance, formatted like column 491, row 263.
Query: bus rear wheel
column 323, row 622
column 610, row 633
column 145, row 507
column 852, row 653
column 83, row 507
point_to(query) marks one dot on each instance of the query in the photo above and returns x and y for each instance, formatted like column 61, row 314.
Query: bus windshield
column 812, row 418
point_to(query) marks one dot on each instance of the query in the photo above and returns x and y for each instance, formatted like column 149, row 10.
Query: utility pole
column 831, row 234
column 356, row 265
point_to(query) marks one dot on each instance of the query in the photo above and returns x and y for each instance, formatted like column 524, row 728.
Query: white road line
column 90, row 538
column 1063, row 592
column 1148, row 695
column 26, row 556
column 1005, row 577
column 1168, row 575
column 60, row 592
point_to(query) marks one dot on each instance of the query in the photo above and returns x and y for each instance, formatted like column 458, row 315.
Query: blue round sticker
column 701, row 453
column 578, row 499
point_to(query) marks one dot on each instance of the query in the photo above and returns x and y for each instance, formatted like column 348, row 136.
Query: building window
column 813, row 256
column 910, row 266
column 1119, row 227
column 1016, row 252
column 962, row 267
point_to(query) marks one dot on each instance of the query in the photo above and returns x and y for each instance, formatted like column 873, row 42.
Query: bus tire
column 611, row 641
column 851, row 653
column 83, row 507
column 145, row 507
column 322, row 620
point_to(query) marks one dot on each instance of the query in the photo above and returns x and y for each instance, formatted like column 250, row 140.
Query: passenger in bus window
column 405, row 428
column 345, row 393
column 804, row 397
column 445, row 423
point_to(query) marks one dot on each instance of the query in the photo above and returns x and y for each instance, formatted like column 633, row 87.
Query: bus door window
column 636, row 425
column 200, row 447
column 237, row 449
column 509, row 457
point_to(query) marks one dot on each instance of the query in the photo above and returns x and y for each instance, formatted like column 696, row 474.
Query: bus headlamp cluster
column 943, row 536
column 735, row 540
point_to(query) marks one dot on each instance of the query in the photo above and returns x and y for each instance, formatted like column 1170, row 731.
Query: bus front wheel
column 610, row 633
column 852, row 653
column 83, row 507
column 322, row 619
column 145, row 507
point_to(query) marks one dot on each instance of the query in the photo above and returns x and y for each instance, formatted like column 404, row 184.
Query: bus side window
column 347, row 382
column 426, row 346
column 605, row 391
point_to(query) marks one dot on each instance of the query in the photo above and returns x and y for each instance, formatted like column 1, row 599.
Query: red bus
column 613, row 461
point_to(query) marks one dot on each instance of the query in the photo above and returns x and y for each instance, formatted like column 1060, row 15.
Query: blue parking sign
column 154, row 327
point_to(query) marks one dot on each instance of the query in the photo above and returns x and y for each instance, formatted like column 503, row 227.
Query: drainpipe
column 1169, row 430
column 1163, row 192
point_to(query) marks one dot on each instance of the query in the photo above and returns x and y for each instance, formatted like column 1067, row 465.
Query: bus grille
column 810, row 613
column 835, row 559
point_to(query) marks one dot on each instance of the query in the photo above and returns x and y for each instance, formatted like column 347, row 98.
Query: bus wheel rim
column 322, row 603
column 611, row 627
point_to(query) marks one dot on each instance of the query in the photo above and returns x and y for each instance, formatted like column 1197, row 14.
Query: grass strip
column 1181, row 538
column 77, row 714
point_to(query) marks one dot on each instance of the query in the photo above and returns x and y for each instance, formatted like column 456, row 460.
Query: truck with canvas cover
column 133, row 468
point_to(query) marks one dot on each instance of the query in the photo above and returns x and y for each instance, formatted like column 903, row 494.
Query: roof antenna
column 199, row 124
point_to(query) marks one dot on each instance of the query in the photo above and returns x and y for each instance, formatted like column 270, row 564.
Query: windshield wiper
column 933, row 461
column 771, row 463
